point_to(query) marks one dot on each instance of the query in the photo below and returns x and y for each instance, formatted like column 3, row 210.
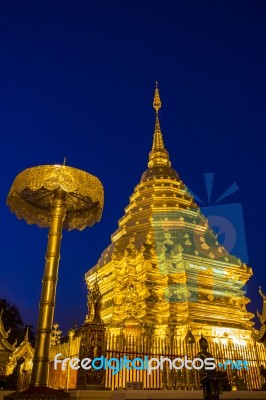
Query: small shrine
column 19, row 366
column 92, row 341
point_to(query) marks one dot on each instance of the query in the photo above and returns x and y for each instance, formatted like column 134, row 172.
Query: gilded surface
column 158, row 156
column 33, row 189
column 162, row 282
column 60, row 197
column 24, row 350
column 260, row 336
column 91, row 346
column 4, row 344
column 94, row 304
column 6, row 348
column 165, row 250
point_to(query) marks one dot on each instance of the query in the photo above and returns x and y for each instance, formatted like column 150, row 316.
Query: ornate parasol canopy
column 33, row 190
column 54, row 196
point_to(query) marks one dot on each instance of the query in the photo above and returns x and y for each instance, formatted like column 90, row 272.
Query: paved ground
column 156, row 394
column 183, row 395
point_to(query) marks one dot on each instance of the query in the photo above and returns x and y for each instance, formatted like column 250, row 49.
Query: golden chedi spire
column 159, row 155
column 164, row 247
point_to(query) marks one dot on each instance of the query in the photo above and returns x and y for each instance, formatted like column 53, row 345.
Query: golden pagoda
column 163, row 286
column 165, row 273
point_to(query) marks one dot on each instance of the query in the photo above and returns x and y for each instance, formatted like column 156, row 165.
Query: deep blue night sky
column 77, row 80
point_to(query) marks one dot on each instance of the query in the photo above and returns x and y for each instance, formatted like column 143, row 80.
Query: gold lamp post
column 54, row 196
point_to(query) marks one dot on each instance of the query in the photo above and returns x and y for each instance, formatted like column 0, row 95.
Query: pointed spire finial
column 261, row 293
column 190, row 337
column 26, row 338
column 159, row 155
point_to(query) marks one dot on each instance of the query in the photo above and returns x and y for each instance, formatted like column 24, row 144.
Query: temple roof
column 25, row 348
column 25, row 351
column 4, row 344
column 262, row 317
column 260, row 336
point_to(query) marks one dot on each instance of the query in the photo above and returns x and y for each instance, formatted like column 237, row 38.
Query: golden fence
column 183, row 379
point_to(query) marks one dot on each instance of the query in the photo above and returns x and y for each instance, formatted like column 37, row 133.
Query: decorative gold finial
column 159, row 155
column 26, row 338
column 157, row 101
column 64, row 163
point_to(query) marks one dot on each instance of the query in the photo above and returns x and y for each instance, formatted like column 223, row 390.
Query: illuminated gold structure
column 165, row 281
column 165, row 268
column 54, row 196
column 21, row 359
column 6, row 348
column 260, row 336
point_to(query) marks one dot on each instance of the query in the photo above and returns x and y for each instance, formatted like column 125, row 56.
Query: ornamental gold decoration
column 33, row 189
column 58, row 197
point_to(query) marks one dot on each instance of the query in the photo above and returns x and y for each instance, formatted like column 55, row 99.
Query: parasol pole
column 40, row 369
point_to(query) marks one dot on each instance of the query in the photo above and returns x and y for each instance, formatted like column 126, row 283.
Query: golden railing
column 133, row 347
column 184, row 379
